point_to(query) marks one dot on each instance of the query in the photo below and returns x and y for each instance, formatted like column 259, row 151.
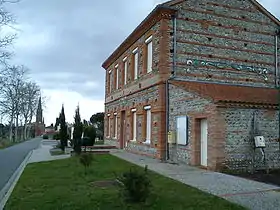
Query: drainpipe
column 173, row 75
column 277, row 82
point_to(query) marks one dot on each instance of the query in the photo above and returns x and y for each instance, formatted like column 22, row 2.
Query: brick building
column 203, row 72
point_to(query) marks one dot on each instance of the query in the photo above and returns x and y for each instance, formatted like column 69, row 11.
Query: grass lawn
column 5, row 144
column 55, row 152
column 62, row 184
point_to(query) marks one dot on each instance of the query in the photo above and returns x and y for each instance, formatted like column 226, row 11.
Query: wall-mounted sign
column 222, row 65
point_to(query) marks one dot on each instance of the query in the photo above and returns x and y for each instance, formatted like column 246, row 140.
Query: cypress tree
column 63, row 129
column 78, row 130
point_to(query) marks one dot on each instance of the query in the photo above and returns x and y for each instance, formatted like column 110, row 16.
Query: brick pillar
column 162, row 124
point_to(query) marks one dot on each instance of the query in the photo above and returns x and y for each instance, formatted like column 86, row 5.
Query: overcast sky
column 64, row 43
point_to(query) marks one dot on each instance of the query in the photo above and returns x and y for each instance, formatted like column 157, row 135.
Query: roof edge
column 145, row 25
column 254, row 2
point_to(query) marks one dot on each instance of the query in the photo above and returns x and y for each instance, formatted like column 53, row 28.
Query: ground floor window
column 108, row 126
column 148, row 124
column 134, row 124
column 182, row 130
column 116, row 125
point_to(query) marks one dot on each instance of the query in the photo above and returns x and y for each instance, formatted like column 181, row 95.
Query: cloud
column 64, row 43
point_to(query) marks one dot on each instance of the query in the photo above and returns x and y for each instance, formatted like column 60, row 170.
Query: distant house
column 195, row 83
column 50, row 130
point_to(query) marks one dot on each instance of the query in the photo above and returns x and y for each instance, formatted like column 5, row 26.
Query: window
column 117, row 76
column 110, row 80
column 116, row 126
column 135, row 53
column 148, row 124
column 134, row 124
column 149, row 58
column 182, row 130
column 108, row 126
column 125, row 70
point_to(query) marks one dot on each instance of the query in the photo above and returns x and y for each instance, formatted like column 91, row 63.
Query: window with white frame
column 117, row 76
column 182, row 130
column 149, row 58
column 135, row 53
column 148, row 124
column 109, row 126
column 116, row 126
column 110, row 81
column 125, row 70
column 134, row 124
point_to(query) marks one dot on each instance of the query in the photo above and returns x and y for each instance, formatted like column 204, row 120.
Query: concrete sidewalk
column 42, row 153
column 251, row 194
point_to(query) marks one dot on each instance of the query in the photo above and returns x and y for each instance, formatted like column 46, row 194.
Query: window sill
column 147, row 142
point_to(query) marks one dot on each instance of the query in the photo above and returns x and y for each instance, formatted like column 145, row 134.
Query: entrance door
column 122, row 134
column 203, row 143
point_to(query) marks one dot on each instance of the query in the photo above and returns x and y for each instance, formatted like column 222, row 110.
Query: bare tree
column 6, row 37
column 31, row 94
column 11, row 94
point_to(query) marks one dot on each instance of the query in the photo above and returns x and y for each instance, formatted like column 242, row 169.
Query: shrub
column 89, row 135
column 45, row 136
column 56, row 136
column 86, row 160
column 77, row 146
column 136, row 185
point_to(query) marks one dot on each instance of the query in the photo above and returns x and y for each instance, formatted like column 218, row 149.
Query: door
column 203, row 142
column 122, row 134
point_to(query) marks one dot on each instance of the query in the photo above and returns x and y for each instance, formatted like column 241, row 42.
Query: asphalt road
column 11, row 158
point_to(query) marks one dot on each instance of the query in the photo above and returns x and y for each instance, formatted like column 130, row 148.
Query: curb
column 8, row 188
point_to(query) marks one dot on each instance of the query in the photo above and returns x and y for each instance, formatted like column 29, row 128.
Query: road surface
column 11, row 158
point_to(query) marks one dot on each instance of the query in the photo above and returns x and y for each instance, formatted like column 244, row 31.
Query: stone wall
column 183, row 103
column 239, row 143
column 225, row 41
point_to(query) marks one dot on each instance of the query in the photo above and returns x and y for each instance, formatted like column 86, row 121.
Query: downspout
column 277, row 82
column 172, row 76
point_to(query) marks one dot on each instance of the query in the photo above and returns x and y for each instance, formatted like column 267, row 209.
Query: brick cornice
column 160, row 12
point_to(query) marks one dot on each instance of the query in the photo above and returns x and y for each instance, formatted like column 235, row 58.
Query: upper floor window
column 149, row 58
column 110, row 80
column 135, row 61
column 125, row 70
column 117, row 76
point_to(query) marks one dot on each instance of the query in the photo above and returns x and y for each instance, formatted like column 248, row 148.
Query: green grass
column 100, row 142
column 62, row 184
column 55, row 152
column 5, row 144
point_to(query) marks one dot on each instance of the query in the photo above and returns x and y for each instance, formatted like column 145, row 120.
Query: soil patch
column 272, row 178
column 105, row 183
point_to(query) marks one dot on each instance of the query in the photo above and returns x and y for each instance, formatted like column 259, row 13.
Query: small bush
column 56, row 136
column 86, row 160
column 77, row 146
column 136, row 185
column 45, row 136
column 89, row 135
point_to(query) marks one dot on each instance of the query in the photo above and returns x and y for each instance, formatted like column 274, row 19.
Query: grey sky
column 64, row 42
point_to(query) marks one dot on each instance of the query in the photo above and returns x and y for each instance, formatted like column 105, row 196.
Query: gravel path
column 251, row 194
